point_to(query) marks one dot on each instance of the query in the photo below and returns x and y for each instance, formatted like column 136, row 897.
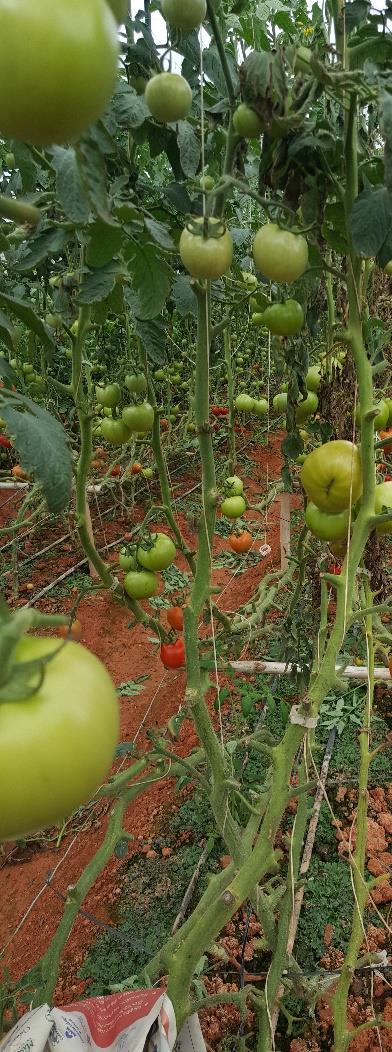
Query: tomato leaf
column 69, row 187
column 98, row 284
column 150, row 279
column 50, row 242
column 25, row 313
column 25, row 164
column 184, row 297
column 152, row 335
column 42, row 447
column 189, row 147
column 7, row 336
column 371, row 220
column 105, row 242
column 130, row 109
column 159, row 233
column 93, row 174
column 355, row 13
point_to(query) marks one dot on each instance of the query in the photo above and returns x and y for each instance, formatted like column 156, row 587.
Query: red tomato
column 385, row 434
column 136, row 468
column 219, row 410
column 175, row 618
column 387, row 478
column 5, row 442
column 116, row 470
column 335, row 568
column 241, row 542
column 73, row 631
column 173, row 654
column 163, row 423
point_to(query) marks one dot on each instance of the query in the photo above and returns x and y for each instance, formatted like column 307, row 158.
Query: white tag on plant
column 265, row 550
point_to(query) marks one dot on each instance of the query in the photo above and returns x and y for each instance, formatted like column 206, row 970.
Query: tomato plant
column 48, row 737
column 332, row 476
column 81, row 42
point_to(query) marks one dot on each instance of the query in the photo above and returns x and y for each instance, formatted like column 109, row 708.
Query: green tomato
column 47, row 737
column 60, row 56
column 387, row 268
column 160, row 375
column 108, row 396
column 114, row 431
column 168, row 97
column 206, row 257
column 184, row 14
column 148, row 473
column 278, row 254
column 233, row 507
column 284, row 319
column 9, row 160
column 332, row 476
column 249, row 279
column 280, row 402
column 141, row 584
column 139, row 417
column 313, row 378
column 119, row 9
column 244, row 403
column 325, row 526
column 157, row 553
column 136, row 383
column 54, row 321
column 234, row 486
column 257, row 320
column 207, row 182
column 126, row 561
column 260, row 407
column 382, row 418
column 246, row 122
column 383, row 502
column 27, row 368
column 306, row 407
column 302, row 61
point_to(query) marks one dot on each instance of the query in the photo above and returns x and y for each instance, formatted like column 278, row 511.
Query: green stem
column 230, row 399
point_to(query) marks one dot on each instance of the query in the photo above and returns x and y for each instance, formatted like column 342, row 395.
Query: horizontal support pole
column 279, row 668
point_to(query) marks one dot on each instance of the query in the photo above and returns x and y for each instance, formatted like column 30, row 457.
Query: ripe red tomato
column 60, row 56
column 116, row 470
column 173, row 654
column 335, row 568
column 5, row 442
column 386, row 434
column 136, row 468
column 73, row 631
column 175, row 618
column 241, row 542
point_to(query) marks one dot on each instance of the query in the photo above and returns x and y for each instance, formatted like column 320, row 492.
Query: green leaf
column 50, row 242
column 25, row 313
column 213, row 70
column 69, row 187
column 26, row 165
column 105, row 242
column 159, row 233
column 130, row 109
column 93, row 174
column 370, row 221
column 97, row 285
column 179, row 198
column 150, row 278
column 152, row 335
column 190, row 150
column 292, row 445
column 184, row 297
column 42, row 447
column 7, row 336
column 355, row 13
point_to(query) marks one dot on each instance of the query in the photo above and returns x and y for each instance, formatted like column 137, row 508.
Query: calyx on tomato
column 279, row 254
column 157, row 552
column 173, row 654
column 332, row 475
column 46, row 736
column 65, row 54
column 284, row 319
column 168, row 97
column 206, row 252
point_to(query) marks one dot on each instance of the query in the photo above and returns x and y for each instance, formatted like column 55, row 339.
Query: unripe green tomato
column 126, row 561
column 139, row 84
column 300, row 459
column 249, row 279
column 148, row 473
column 54, row 321
column 160, row 375
column 389, row 403
column 326, row 526
column 27, row 368
column 257, row 320
column 383, row 502
column 176, row 378
column 280, row 402
column 260, row 407
column 184, row 14
column 313, row 378
column 244, row 403
column 306, row 408
column 234, row 486
column 55, row 281
column 284, row 319
column 388, row 268
column 302, row 60
column 233, row 507
column 139, row 418
column 108, row 396
column 30, row 378
column 279, row 254
column 207, row 182
column 10, row 160
column 119, row 9
column 246, row 122
column 136, row 383
column 66, row 57
column 141, row 584
column 382, row 418
column 191, row 428
column 168, row 97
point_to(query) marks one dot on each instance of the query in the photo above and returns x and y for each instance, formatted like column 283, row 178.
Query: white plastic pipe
column 278, row 668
